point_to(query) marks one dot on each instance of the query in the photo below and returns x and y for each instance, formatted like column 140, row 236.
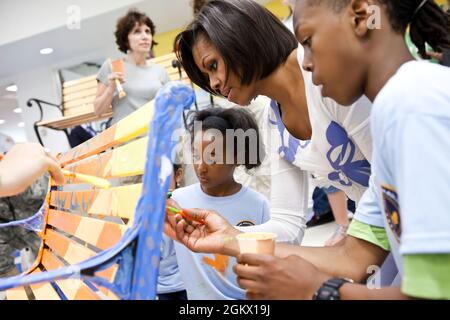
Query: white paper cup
column 257, row 242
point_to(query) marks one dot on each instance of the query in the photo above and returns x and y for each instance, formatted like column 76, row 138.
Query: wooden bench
column 78, row 97
column 96, row 244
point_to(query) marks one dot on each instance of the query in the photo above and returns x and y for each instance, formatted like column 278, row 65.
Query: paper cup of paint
column 257, row 242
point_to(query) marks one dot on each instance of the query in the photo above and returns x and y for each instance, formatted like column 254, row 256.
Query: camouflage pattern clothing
column 19, row 207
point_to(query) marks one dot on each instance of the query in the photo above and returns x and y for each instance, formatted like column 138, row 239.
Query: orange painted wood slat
column 102, row 234
column 69, row 250
column 95, row 145
column 73, row 289
column 116, row 202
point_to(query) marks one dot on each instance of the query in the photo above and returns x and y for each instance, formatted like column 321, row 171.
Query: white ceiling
column 96, row 32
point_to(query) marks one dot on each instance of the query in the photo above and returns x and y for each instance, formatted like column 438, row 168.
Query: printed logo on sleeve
column 392, row 210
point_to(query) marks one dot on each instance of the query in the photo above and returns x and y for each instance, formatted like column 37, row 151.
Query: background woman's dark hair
column 251, row 40
column 126, row 24
column 197, row 5
column 429, row 25
column 234, row 118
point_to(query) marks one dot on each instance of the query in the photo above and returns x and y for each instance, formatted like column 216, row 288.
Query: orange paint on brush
column 184, row 214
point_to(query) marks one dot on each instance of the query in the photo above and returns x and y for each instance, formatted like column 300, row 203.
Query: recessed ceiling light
column 2, row 121
column 17, row 110
column 12, row 88
column 21, row 124
column 46, row 51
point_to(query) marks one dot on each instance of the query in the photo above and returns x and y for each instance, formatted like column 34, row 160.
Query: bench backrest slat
column 44, row 291
column 79, row 95
column 72, row 289
column 114, row 202
column 69, row 250
column 79, row 87
column 128, row 128
column 124, row 161
column 70, row 83
column 101, row 234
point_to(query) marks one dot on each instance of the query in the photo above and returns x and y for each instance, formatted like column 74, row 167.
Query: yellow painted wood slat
column 128, row 128
column 126, row 160
column 69, row 250
column 78, row 81
column 102, row 234
column 79, row 94
column 79, row 87
column 116, row 202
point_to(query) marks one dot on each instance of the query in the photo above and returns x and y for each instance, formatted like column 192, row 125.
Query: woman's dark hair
column 126, row 24
column 428, row 24
column 251, row 40
column 197, row 5
column 248, row 152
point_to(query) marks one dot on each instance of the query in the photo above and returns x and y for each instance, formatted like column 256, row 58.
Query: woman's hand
column 216, row 235
column 25, row 163
column 115, row 76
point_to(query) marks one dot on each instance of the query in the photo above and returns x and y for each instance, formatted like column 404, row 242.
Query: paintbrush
column 184, row 214
column 117, row 66
column 98, row 182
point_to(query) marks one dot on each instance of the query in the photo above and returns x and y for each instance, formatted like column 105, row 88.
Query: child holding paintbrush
column 129, row 83
column 216, row 154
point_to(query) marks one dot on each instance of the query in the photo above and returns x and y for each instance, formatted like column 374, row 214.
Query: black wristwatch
column 330, row 289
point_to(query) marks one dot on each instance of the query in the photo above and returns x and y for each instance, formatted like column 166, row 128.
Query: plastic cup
column 257, row 242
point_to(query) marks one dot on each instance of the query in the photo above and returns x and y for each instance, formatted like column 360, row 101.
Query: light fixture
column 2, row 121
column 12, row 88
column 46, row 51
column 21, row 124
column 17, row 110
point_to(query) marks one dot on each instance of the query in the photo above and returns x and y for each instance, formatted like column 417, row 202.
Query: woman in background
column 141, row 81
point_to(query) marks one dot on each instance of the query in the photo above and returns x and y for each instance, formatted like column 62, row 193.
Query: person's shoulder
column 103, row 72
column 183, row 191
column 105, row 65
column 417, row 86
